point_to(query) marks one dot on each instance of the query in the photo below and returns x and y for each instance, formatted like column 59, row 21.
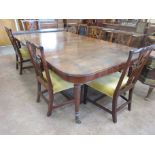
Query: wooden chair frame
column 40, row 65
column 93, row 31
column 133, row 68
column 17, row 45
column 117, row 38
column 102, row 34
column 72, row 28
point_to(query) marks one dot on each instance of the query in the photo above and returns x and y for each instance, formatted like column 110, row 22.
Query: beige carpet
column 20, row 114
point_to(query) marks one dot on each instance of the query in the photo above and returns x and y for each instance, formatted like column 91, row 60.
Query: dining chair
column 101, row 34
column 117, row 84
column 92, row 31
column 147, row 75
column 120, row 38
column 21, row 51
column 46, row 78
column 107, row 34
column 72, row 28
column 82, row 29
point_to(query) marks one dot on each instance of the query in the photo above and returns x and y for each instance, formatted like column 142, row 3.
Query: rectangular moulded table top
column 79, row 59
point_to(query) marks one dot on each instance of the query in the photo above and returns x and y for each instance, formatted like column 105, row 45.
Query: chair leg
column 85, row 94
column 149, row 93
column 39, row 92
column 16, row 61
column 50, row 105
column 50, row 108
column 114, row 111
column 130, row 99
column 21, row 67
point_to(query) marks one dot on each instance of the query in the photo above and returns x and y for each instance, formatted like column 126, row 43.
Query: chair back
column 93, row 31
column 109, row 35
column 14, row 41
column 40, row 65
column 134, row 65
column 82, row 29
column 72, row 29
column 120, row 38
column 147, row 75
column 101, row 34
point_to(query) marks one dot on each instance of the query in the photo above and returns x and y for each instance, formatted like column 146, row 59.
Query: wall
column 10, row 23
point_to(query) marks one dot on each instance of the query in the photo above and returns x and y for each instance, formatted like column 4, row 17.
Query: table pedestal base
column 77, row 95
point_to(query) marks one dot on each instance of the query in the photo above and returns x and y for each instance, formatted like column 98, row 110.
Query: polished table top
column 79, row 59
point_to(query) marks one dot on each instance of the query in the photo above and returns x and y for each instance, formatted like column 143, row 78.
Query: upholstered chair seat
column 24, row 52
column 58, row 83
column 107, row 84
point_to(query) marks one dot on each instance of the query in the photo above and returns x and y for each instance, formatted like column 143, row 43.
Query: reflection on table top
column 76, row 55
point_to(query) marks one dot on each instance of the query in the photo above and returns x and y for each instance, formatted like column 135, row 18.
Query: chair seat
column 58, row 83
column 24, row 52
column 107, row 84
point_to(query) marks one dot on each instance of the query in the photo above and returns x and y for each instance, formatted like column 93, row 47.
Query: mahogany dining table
column 79, row 59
